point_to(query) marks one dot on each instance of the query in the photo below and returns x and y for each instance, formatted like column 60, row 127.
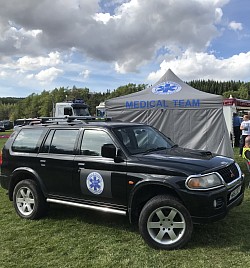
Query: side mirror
column 108, row 150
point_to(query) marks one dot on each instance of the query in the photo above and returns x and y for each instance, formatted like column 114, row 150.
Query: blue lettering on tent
column 143, row 104
column 186, row 103
column 196, row 103
column 152, row 104
column 136, row 104
column 161, row 104
column 129, row 104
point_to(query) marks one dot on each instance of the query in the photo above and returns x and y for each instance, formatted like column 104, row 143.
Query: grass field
column 71, row 237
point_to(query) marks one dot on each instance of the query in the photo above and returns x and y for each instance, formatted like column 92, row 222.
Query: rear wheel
column 28, row 200
column 165, row 223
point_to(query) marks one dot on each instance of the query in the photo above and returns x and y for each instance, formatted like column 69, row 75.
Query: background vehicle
column 101, row 110
column 2, row 127
column 24, row 122
column 75, row 107
column 7, row 124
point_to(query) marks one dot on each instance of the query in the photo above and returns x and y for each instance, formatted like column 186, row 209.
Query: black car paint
column 135, row 178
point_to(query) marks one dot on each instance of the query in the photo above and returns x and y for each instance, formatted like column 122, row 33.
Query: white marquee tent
column 191, row 118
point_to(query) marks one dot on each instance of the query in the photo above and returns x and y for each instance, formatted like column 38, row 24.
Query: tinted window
column 46, row 146
column 93, row 140
column 141, row 139
column 27, row 140
column 63, row 141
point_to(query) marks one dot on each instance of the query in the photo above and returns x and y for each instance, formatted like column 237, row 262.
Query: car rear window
column 27, row 140
column 60, row 141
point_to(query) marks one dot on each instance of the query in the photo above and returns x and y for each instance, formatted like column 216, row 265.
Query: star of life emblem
column 168, row 87
column 95, row 183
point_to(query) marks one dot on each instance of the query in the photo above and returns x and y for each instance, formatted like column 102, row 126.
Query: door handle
column 81, row 166
column 42, row 162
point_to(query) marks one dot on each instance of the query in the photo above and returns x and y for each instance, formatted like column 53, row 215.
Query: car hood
column 185, row 161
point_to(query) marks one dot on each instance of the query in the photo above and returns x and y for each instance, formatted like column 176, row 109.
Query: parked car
column 2, row 127
column 25, row 121
column 8, row 124
column 126, row 168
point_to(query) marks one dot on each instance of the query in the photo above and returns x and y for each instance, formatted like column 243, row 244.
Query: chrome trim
column 203, row 175
column 234, row 182
column 227, row 185
column 103, row 209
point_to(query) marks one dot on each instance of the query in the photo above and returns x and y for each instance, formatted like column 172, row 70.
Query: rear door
column 56, row 160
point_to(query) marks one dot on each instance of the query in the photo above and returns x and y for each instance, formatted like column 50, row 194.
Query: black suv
column 125, row 168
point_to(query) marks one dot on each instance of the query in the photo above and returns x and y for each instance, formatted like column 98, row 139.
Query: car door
column 99, row 179
column 56, row 160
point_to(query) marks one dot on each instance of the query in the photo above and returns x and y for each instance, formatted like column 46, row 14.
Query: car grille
column 229, row 173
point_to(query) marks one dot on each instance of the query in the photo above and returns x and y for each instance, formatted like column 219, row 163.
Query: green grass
column 71, row 237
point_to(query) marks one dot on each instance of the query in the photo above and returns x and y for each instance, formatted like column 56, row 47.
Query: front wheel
column 164, row 223
column 28, row 200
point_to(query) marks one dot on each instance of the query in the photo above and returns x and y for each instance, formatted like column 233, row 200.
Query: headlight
column 204, row 182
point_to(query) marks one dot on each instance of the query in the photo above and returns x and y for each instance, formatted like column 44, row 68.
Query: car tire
column 29, row 201
column 164, row 223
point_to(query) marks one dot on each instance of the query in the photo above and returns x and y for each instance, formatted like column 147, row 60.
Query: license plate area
column 235, row 193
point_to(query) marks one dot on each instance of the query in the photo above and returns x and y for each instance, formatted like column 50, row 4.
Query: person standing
column 236, row 128
column 246, row 152
column 245, row 128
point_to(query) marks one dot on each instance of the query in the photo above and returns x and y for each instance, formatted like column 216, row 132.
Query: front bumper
column 213, row 205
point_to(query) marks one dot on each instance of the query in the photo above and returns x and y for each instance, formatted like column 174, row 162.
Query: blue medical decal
column 166, row 88
column 95, row 183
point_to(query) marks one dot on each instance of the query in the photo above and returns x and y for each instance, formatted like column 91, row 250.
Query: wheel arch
column 23, row 173
column 143, row 193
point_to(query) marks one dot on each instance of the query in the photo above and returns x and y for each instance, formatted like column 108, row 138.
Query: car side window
column 27, row 140
column 46, row 146
column 93, row 140
column 63, row 141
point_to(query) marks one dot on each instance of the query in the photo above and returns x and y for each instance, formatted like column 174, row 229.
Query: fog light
column 218, row 202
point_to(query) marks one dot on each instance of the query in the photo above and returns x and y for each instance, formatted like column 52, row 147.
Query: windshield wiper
column 154, row 149
column 174, row 146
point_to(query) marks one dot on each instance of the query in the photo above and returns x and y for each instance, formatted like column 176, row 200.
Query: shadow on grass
column 87, row 216
column 231, row 232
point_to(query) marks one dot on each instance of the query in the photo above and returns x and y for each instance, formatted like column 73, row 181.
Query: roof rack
column 72, row 119
column 88, row 118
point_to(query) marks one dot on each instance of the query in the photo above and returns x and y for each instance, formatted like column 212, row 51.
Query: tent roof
column 172, row 89
column 191, row 118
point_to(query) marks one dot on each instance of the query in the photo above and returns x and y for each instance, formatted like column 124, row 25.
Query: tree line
column 39, row 105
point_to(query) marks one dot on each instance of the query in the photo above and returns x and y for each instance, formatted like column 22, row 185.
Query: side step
column 103, row 209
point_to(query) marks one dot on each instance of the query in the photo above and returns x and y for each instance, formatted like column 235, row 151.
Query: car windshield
column 142, row 139
column 81, row 112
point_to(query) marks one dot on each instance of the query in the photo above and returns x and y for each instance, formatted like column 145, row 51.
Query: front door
column 99, row 180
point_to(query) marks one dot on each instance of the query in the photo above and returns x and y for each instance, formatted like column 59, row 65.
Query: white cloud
column 193, row 66
column 48, row 75
column 85, row 74
column 235, row 26
column 3, row 74
column 104, row 17
column 29, row 76
column 41, row 41
column 31, row 63
column 130, row 37
column 218, row 15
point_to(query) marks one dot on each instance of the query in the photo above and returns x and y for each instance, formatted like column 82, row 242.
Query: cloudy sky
column 103, row 44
